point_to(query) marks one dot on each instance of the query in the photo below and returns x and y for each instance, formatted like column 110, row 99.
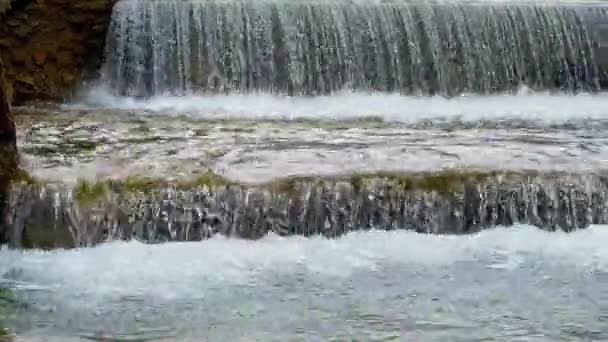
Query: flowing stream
column 353, row 97
column 504, row 284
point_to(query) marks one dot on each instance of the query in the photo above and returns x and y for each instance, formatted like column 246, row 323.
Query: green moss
column 212, row 180
column 142, row 184
column 90, row 193
column 22, row 177
column 5, row 335
column 357, row 182
column 442, row 181
column 289, row 186
column 445, row 182
column 146, row 185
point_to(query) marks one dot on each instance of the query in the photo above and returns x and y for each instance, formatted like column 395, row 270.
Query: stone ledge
column 51, row 216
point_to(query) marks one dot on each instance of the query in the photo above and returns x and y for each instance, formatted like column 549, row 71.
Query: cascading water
column 177, row 47
column 370, row 169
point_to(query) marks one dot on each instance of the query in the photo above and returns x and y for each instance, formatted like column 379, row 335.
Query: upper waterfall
column 319, row 47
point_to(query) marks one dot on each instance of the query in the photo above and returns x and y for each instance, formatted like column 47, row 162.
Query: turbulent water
column 536, row 108
column 503, row 284
column 190, row 86
column 320, row 47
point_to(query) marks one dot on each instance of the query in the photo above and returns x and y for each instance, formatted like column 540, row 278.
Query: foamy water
column 525, row 105
column 503, row 283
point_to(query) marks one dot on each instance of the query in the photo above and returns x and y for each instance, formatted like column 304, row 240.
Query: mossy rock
column 448, row 181
column 89, row 193
column 444, row 182
column 212, row 180
column 22, row 177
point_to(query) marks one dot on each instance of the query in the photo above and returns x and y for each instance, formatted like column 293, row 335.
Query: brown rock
column 64, row 58
column 13, row 22
column 7, row 126
column 48, row 46
column 23, row 31
column 39, row 57
column 68, row 78
column 19, row 56
column 26, row 79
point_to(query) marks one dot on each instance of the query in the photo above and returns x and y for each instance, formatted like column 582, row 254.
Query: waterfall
column 179, row 47
column 51, row 217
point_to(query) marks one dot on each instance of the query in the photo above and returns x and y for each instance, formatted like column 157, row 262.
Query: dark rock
column 8, row 153
column 40, row 57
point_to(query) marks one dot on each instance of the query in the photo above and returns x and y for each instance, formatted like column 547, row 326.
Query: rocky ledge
column 51, row 216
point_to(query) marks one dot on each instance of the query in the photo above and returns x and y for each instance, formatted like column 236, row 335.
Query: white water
column 526, row 105
column 503, row 283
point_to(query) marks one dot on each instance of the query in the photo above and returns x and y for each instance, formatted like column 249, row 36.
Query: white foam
column 525, row 105
column 174, row 269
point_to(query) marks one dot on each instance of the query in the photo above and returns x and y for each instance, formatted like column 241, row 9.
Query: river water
column 505, row 284
column 401, row 86
column 260, row 137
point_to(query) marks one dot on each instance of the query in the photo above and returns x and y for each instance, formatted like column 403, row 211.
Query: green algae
column 22, row 177
column 146, row 185
column 89, row 193
column 443, row 182
column 447, row 181
column 213, row 180
column 138, row 184
column 289, row 186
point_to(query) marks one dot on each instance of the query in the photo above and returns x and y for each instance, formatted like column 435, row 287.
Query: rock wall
column 8, row 151
column 50, row 46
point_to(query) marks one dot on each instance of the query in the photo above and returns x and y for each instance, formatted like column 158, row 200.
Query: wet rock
column 39, row 57
column 8, row 152
column 60, row 217
column 49, row 46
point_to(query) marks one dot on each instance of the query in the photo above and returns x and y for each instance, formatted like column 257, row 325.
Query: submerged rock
column 448, row 203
